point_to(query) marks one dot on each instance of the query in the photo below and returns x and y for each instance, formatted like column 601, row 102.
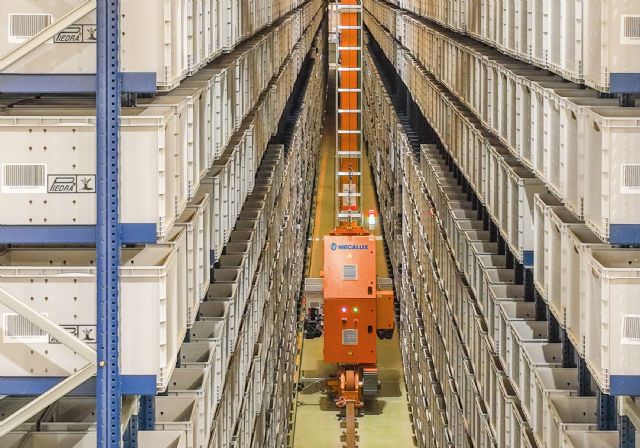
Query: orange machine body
column 350, row 299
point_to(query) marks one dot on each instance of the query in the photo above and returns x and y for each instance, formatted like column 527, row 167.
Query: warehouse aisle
column 386, row 422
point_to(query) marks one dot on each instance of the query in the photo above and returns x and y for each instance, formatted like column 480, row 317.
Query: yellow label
column 349, row 352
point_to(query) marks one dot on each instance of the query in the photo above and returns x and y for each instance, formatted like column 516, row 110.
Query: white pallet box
column 71, row 133
column 222, row 305
column 196, row 136
column 521, row 188
column 532, row 356
column 610, row 41
column 576, row 243
column 560, row 221
column 591, row 439
column 142, row 21
column 180, row 414
column 148, row 292
column 183, row 309
column 570, row 64
column 535, row 32
column 479, row 251
column 541, row 239
column 13, row 439
column 202, row 203
column 216, row 185
column 554, row 161
column 613, row 276
column 204, row 355
column 495, row 199
column 70, row 414
column 194, row 382
column 609, row 178
column 507, row 312
column 217, row 79
column 569, row 414
column 551, row 32
column 249, row 237
column 9, row 405
column 572, row 122
column 195, row 36
column 546, row 383
column 521, row 332
column 229, row 23
column 471, row 238
column 506, row 425
column 521, row 45
column 192, row 221
column 214, row 332
column 161, row 439
column 178, row 105
column 246, row 276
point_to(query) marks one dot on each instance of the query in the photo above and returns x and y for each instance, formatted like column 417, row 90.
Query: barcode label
column 24, row 178
column 17, row 329
column 24, row 26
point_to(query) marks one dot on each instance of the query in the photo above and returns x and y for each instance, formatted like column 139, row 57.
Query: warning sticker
column 349, row 352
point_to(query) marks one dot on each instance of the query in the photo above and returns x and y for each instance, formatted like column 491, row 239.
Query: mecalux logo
column 335, row 246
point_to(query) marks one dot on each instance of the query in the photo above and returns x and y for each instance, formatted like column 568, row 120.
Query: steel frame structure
column 115, row 414
column 349, row 139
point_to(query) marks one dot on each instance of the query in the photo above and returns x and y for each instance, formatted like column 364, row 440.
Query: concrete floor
column 386, row 423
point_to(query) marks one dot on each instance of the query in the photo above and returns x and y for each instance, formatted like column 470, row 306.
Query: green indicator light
column 355, row 309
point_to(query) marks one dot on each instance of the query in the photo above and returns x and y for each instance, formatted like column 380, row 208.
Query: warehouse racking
column 205, row 163
column 495, row 249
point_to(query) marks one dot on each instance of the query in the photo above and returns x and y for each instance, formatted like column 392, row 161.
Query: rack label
column 71, row 183
column 77, row 34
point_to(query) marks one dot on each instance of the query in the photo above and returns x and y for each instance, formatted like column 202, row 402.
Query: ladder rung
column 349, row 27
column 349, row 173
column 349, row 215
column 349, row 153
column 350, row 90
column 349, row 69
column 346, row 195
column 350, row 48
column 349, row 111
column 341, row 131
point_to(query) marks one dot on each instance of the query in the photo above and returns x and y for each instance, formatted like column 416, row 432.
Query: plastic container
column 611, row 183
column 214, row 331
column 62, row 283
column 576, row 243
column 560, row 221
column 162, row 439
column 522, row 332
column 73, row 50
column 510, row 311
column 543, row 204
column 591, row 439
column 569, row 414
column 610, row 42
column 612, row 316
column 65, row 143
column 70, row 414
column 532, row 356
column 205, row 355
column 13, row 439
column 521, row 188
column 547, row 383
column 180, row 414
column 9, row 405
column 194, row 383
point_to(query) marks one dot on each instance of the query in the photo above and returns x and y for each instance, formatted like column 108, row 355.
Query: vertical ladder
column 349, row 113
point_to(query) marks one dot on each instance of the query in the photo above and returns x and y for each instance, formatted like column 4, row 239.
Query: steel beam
column 108, row 384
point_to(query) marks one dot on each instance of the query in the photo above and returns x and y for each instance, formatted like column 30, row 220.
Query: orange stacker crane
column 350, row 305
